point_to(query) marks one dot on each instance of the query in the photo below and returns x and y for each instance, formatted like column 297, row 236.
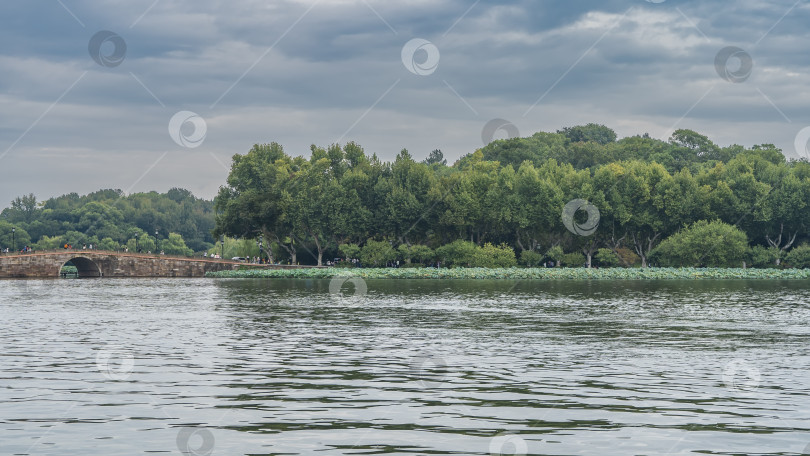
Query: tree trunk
column 269, row 249
column 638, row 245
column 614, row 246
column 290, row 249
column 321, row 248
column 777, row 243
column 589, row 250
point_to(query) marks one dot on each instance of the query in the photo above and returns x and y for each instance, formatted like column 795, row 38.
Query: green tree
column 175, row 245
column 457, row 253
column 531, row 259
column 599, row 134
column 376, row 253
column 704, row 244
column 20, row 237
column 607, row 258
column 799, row 257
column 436, row 157
column 349, row 251
column 420, row 253
column 108, row 244
column 492, row 256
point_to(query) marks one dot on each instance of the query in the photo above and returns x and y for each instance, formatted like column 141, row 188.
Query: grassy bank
column 522, row 274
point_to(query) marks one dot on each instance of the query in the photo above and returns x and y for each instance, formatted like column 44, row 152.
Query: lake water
column 285, row 367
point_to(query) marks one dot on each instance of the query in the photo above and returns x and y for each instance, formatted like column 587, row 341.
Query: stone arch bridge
column 98, row 263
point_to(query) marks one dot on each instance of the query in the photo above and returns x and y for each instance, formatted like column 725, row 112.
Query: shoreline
column 523, row 273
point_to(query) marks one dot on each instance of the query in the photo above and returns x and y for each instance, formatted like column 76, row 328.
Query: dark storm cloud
column 286, row 71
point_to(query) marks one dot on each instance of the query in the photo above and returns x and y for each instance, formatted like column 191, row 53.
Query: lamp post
column 156, row 244
column 137, row 249
column 222, row 246
column 13, row 240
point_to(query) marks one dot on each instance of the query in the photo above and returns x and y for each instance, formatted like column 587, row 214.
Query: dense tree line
column 110, row 220
column 509, row 197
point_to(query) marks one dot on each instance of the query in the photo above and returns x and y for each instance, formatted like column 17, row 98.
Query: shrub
column 606, row 258
column 457, row 253
column 415, row 253
column 349, row 251
column 555, row 253
column 421, row 253
column 799, row 257
column 573, row 260
column 762, row 257
column 467, row 254
column 377, row 253
column 491, row 256
column 628, row 257
column 703, row 244
column 530, row 258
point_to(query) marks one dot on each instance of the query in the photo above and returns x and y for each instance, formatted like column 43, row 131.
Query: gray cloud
column 632, row 65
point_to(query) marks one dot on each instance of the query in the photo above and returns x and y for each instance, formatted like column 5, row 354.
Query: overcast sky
column 88, row 89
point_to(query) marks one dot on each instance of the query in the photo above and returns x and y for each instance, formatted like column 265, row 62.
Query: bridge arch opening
column 85, row 267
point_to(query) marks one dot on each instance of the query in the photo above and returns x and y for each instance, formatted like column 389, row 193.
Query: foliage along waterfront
column 685, row 202
column 521, row 273
column 111, row 220
column 682, row 202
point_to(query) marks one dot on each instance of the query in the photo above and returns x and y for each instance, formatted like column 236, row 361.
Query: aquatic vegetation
column 521, row 273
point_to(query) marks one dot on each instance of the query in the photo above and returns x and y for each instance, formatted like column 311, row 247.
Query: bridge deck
column 103, row 263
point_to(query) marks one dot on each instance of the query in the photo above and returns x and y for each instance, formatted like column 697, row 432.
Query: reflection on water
column 229, row 367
